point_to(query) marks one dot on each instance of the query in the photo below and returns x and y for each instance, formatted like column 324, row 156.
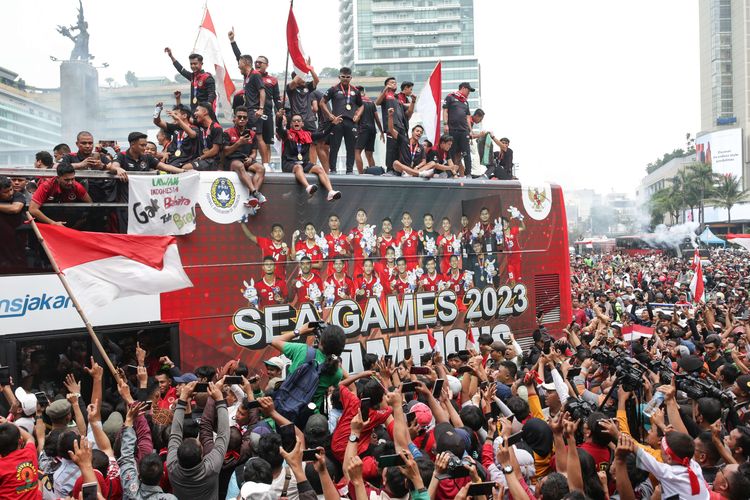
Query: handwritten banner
column 162, row 204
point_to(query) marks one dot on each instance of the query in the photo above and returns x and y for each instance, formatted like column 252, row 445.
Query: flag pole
column 286, row 68
column 203, row 18
column 65, row 285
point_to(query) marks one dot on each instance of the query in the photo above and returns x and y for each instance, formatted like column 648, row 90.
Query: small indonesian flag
column 101, row 267
column 431, row 338
column 428, row 105
column 207, row 44
column 470, row 337
column 635, row 332
column 696, row 284
column 740, row 239
column 294, row 45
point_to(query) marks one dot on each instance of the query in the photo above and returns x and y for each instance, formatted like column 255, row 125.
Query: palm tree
column 702, row 180
column 663, row 202
column 728, row 192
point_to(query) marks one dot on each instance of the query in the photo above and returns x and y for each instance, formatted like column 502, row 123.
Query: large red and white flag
column 635, row 332
column 294, row 45
column 428, row 105
column 741, row 239
column 696, row 284
column 101, row 267
column 207, row 45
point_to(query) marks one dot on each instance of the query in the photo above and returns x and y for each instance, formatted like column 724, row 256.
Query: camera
column 696, row 388
column 579, row 409
column 629, row 371
column 457, row 467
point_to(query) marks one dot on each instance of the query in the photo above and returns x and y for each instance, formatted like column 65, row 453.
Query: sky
column 589, row 92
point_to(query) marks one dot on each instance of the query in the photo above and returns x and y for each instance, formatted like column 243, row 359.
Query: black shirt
column 317, row 95
column 232, row 135
column 252, row 87
column 400, row 123
column 181, row 141
column 202, row 86
column 290, row 149
column 208, row 136
column 300, row 101
column 143, row 164
column 14, row 219
column 409, row 154
column 271, row 84
column 457, row 113
column 367, row 119
column 339, row 96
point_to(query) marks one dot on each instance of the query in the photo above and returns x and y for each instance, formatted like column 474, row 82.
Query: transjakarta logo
column 19, row 306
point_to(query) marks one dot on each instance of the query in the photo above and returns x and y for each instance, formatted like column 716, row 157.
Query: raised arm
column 187, row 74
column 248, row 233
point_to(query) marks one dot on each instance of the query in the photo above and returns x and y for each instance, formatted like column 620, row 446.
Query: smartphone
column 90, row 491
column 479, row 489
column 514, row 438
column 107, row 144
column 483, row 385
column 288, row 437
column 246, row 133
column 410, row 417
column 547, row 346
column 131, row 369
column 253, row 379
column 437, row 389
column 252, row 404
column 407, row 387
column 41, row 398
column 390, row 461
column 232, row 379
column 407, row 353
column 574, row 372
column 495, row 410
column 201, row 387
column 464, row 369
column 364, row 406
column 147, row 405
column 419, row 370
column 310, row 455
column 388, row 358
column 5, row 375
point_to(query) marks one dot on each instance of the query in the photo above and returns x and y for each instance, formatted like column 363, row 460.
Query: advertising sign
column 722, row 150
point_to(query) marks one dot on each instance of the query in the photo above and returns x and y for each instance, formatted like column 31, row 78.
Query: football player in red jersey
column 385, row 239
column 511, row 230
column 387, row 270
column 408, row 240
column 365, row 282
column 455, row 277
column 271, row 289
column 445, row 245
column 273, row 247
column 355, row 238
column 400, row 283
column 308, row 246
column 343, row 283
column 306, row 281
column 430, row 280
column 338, row 246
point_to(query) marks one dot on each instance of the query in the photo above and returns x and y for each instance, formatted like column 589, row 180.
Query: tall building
column 724, row 68
column 406, row 38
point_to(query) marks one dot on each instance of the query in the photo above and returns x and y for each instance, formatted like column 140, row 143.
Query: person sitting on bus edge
column 43, row 160
column 410, row 158
column 61, row 189
column 182, row 135
column 439, row 158
column 295, row 156
column 135, row 159
column 210, row 138
column 240, row 153
column 11, row 216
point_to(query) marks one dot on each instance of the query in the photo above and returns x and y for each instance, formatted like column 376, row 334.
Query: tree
column 328, row 72
column 663, row 202
column 702, row 180
column 728, row 192
column 131, row 79
column 379, row 72
column 109, row 81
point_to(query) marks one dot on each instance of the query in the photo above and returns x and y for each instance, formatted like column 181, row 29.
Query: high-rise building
column 406, row 38
column 724, row 68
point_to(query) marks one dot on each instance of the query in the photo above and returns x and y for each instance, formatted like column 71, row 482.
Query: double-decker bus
column 230, row 313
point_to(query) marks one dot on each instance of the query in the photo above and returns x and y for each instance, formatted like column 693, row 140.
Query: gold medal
column 177, row 153
column 299, row 157
column 195, row 100
column 348, row 107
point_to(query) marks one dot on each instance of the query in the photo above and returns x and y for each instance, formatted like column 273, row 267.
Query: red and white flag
column 101, row 267
column 696, row 284
column 635, row 332
column 207, row 45
column 431, row 338
column 294, row 45
column 428, row 105
column 741, row 239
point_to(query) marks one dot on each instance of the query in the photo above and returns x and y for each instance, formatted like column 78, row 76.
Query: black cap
column 690, row 363
column 466, row 85
column 447, row 439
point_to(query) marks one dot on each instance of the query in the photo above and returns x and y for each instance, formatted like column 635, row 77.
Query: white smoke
column 672, row 236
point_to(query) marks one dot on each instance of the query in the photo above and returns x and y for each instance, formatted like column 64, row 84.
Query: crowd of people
column 597, row 412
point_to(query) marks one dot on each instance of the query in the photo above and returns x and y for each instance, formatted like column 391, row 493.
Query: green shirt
column 297, row 353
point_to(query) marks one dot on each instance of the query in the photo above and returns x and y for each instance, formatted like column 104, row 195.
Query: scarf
column 299, row 136
column 459, row 96
column 694, row 484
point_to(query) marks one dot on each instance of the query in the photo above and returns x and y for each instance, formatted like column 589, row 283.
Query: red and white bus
column 219, row 319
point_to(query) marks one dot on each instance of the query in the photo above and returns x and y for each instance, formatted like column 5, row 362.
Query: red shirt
column 340, row 438
column 303, row 290
column 333, row 242
column 357, row 250
column 364, row 284
column 386, row 274
column 19, row 474
column 456, row 282
column 345, row 286
column 600, row 454
column 279, row 253
column 430, row 284
column 511, row 239
column 399, row 286
column 50, row 191
column 266, row 292
column 314, row 252
column 169, row 398
column 445, row 250
column 409, row 247
column 383, row 245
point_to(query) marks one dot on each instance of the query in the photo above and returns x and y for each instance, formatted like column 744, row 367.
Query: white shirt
column 674, row 479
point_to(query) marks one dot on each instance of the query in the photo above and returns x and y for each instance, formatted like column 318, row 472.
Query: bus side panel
column 217, row 322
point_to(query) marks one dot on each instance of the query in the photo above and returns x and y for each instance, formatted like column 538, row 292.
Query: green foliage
column 131, row 79
column 728, row 192
column 328, row 72
column 379, row 72
column 677, row 153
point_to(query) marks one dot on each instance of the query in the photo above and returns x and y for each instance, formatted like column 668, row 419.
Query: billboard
column 722, row 150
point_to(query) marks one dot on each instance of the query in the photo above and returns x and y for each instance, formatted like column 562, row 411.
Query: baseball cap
column 185, row 378
column 503, row 391
column 271, row 386
column 447, row 439
column 276, row 362
column 255, row 491
column 27, row 400
column 466, row 85
column 58, row 409
column 423, row 413
column 316, row 424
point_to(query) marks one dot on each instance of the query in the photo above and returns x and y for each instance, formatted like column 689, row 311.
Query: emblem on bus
column 537, row 200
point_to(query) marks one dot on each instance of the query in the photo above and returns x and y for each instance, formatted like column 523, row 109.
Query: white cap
column 255, row 491
column 279, row 362
column 27, row 400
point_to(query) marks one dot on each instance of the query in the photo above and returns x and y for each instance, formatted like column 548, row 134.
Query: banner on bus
column 162, row 204
column 222, row 197
column 39, row 303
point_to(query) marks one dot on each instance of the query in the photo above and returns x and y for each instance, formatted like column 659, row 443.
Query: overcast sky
column 588, row 91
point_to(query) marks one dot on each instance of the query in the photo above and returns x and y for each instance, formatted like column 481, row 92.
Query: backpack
column 298, row 388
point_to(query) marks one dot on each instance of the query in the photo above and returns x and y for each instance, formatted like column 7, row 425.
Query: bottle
column 157, row 110
column 654, row 404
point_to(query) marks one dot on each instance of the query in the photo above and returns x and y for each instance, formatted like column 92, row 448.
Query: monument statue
column 81, row 40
